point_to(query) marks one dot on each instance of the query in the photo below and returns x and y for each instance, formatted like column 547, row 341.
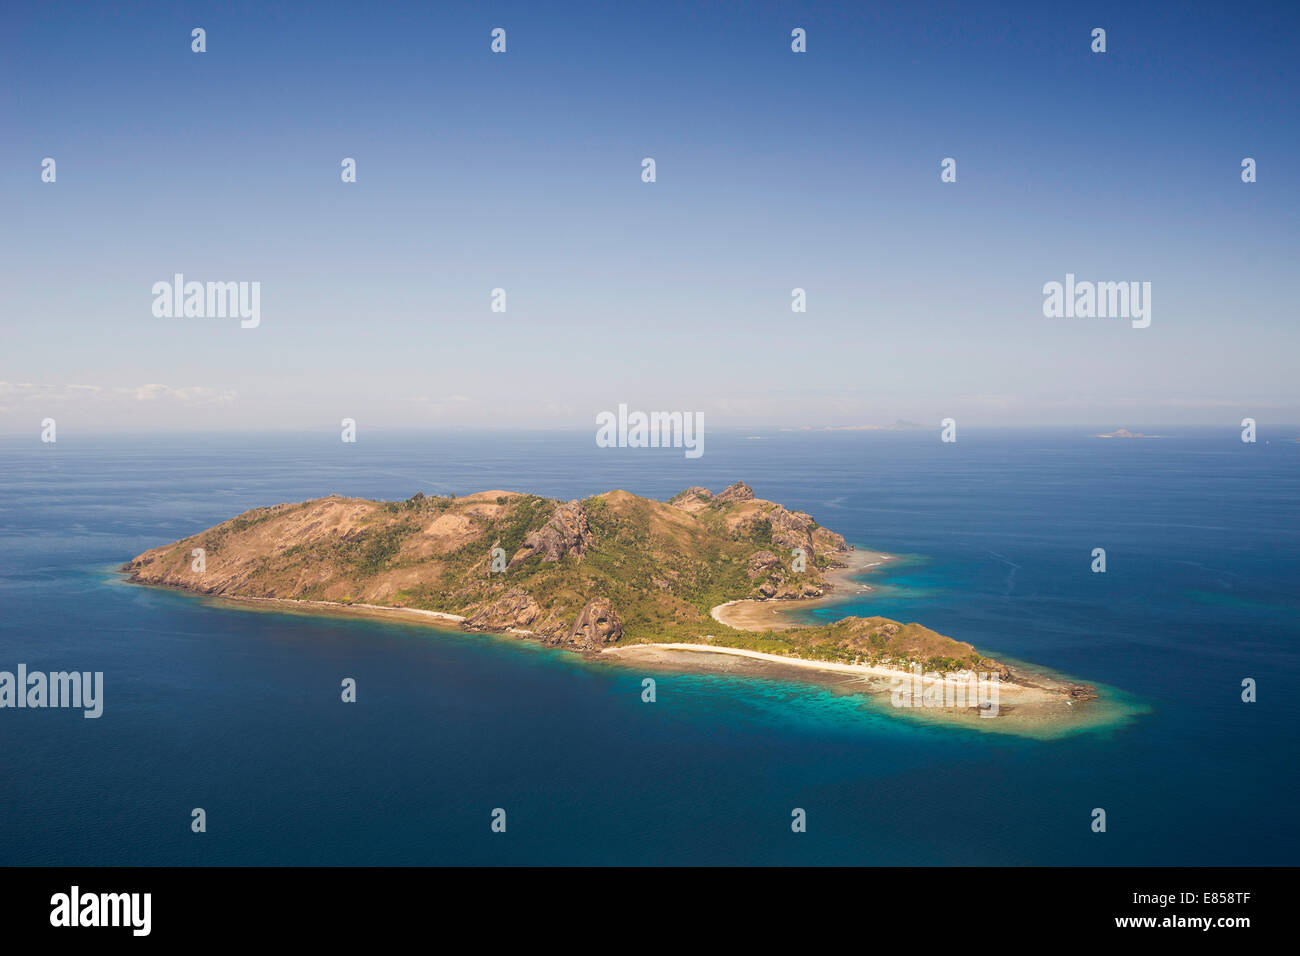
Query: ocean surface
column 238, row 712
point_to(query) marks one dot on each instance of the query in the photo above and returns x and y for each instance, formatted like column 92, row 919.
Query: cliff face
column 580, row 573
column 568, row 532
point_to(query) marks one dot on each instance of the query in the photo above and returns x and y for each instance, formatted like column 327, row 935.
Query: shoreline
column 1034, row 704
column 442, row 620
column 756, row 614
column 833, row 667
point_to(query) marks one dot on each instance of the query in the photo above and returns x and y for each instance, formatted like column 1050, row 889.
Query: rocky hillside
column 612, row 567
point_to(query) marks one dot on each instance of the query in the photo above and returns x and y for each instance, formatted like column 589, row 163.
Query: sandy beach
column 406, row 614
column 757, row 615
column 1034, row 705
column 860, row 671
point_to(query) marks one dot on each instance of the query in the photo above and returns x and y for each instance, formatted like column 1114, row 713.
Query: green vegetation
column 526, row 514
column 662, row 568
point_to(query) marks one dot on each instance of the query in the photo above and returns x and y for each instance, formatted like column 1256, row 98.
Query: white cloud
column 28, row 392
column 193, row 394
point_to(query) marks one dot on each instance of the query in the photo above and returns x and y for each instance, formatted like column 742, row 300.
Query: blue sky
column 521, row 171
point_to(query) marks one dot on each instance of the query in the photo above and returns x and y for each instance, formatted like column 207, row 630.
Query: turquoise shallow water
column 238, row 711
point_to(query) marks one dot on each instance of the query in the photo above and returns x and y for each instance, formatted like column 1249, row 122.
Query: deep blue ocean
column 239, row 711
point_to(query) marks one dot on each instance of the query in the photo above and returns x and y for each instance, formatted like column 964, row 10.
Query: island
column 1125, row 433
column 703, row 581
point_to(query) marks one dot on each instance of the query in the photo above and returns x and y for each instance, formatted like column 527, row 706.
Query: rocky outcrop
column 827, row 541
column 761, row 564
column 568, row 531
column 514, row 609
column 694, row 499
column 779, row 589
column 772, row 582
column 797, row 529
column 792, row 529
column 598, row 624
column 736, row 492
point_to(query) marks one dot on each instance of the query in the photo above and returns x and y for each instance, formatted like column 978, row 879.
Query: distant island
column 615, row 576
column 1125, row 433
